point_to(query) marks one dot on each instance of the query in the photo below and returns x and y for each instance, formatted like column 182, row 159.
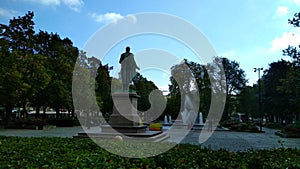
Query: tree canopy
column 36, row 68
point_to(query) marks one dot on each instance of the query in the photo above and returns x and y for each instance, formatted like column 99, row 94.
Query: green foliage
column 235, row 83
column 27, row 123
column 295, row 20
column 292, row 128
column 16, row 53
column 290, row 84
column 296, row 124
column 237, row 126
column 235, row 76
column 151, row 100
column 275, row 100
column 36, row 68
column 103, row 88
column 17, row 152
column 63, row 122
column 293, row 51
column 248, row 127
column 188, row 74
column 274, row 125
column 208, row 79
column 248, row 101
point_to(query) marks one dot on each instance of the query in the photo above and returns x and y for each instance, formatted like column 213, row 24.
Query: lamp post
column 259, row 97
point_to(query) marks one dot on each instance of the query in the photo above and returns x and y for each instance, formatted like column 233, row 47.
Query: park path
column 53, row 132
column 231, row 141
column 243, row 141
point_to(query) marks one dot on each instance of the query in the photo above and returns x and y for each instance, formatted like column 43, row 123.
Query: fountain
column 188, row 114
column 201, row 123
column 170, row 119
column 166, row 120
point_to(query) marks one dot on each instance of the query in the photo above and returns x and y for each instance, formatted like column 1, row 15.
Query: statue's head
column 127, row 49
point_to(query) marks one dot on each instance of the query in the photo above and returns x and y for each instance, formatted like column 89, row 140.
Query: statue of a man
column 128, row 68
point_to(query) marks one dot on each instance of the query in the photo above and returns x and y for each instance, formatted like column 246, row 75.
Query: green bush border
column 18, row 152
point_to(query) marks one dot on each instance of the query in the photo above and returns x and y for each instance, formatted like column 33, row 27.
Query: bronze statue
column 128, row 68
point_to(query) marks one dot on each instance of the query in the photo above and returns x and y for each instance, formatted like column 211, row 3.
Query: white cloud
column 227, row 54
column 131, row 18
column 297, row 2
column 49, row 2
column 7, row 13
column 282, row 10
column 72, row 4
column 112, row 17
column 286, row 39
column 107, row 17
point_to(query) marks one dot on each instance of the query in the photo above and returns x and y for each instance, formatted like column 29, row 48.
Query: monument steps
column 148, row 136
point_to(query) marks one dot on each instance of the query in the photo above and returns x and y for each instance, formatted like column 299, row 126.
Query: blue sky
column 251, row 32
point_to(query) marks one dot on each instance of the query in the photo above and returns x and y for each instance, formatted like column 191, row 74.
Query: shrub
column 63, row 122
column 17, row 152
column 274, row 125
column 27, row 123
column 229, row 123
column 237, row 126
column 293, row 128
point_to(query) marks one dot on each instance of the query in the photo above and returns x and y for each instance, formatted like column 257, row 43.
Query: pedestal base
column 119, row 120
column 125, row 122
column 123, row 129
column 124, row 110
column 148, row 136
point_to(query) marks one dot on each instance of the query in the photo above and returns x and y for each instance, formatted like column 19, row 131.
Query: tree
column 151, row 100
column 291, row 85
column 235, row 83
column 61, row 56
column 38, row 79
column 192, row 78
column 235, row 76
column 17, row 55
column 10, row 83
column 291, row 88
column 293, row 51
column 84, row 88
column 182, row 74
column 275, row 101
column 295, row 20
column 36, row 69
column 103, row 89
column 248, row 101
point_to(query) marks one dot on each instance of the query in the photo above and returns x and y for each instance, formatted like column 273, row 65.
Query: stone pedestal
column 125, row 118
column 125, row 109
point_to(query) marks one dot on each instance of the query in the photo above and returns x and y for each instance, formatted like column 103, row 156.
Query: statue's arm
column 121, row 58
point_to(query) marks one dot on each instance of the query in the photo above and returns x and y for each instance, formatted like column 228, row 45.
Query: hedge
column 17, row 152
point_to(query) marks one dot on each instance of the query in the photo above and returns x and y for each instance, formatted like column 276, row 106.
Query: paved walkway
column 243, row 141
column 232, row 141
column 53, row 132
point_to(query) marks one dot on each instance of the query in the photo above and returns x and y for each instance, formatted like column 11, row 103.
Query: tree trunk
column 24, row 111
column 8, row 112
column 57, row 112
column 37, row 112
column 72, row 113
column 44, row 111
